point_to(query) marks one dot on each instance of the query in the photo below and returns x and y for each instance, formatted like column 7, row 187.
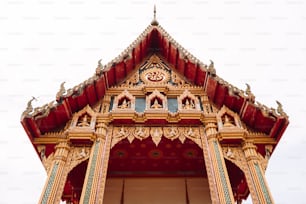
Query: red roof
column 154, row 39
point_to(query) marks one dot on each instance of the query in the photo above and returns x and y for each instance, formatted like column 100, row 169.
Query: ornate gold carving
column 119, row 133
column 156, row 102
column 78, row 155
column 86, row 118
column 155, row 71
column 155, row 76
column 124, row 102
column 141, row 132
column 193, row 134
column 229, row 125
column 188, row 102
column 227, row 118
column 178, row 81
column 156, row 134
column 234, row 155
column 84, row 121
column 131, row 82
column 172, row 133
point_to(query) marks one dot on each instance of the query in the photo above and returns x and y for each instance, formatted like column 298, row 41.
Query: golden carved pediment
column 154, row 72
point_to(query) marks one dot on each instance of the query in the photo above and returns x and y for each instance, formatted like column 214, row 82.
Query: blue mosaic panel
column 50, row 184
column 222, row 174
column 140, row 105
column 172, row 105
column 263, row 185
column 91, row 173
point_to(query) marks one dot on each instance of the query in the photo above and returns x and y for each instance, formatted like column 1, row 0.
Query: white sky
column 45, row 42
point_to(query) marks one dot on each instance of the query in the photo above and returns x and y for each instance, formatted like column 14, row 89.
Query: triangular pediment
column 154, row 71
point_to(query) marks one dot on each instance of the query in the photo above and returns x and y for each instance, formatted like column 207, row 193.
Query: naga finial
column 154, row 21
column 211, row 68
column 249, row 93
column 99, row 67
column 280, row 109
column 248, row 89
column 60, row 93
column 29, row 107
column 100, row 64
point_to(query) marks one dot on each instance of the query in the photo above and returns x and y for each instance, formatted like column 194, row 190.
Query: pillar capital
column 212, row 137
column 211, row 124
column 61, row 151
column 250, row 150
column 63, row 144
column 101, row 128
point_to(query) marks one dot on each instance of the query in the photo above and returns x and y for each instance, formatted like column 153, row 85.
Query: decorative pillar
column 55, row 175
column 94, row 183
column 258, row 180
column 215, row 165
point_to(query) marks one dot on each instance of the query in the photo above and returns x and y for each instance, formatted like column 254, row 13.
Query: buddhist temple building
column 155, row 125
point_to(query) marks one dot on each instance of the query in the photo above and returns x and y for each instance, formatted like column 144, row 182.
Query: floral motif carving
column 155, row 71
column 193, row 134
column 119, row 133
column 172, row 133
column 132, row 81
column 156, row 134
column 235, row 155
column 78, row 155
column 139, row 133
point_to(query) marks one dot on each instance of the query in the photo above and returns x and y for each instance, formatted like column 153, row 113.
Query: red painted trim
column 181, row 66
column 220, row 95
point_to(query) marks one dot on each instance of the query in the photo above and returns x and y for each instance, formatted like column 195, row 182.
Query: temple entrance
column 143, row 172
column 157, row 190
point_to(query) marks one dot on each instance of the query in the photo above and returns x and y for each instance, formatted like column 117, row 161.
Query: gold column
column 215, row 165
column 55, row 175
column 258, row 181
column 93, row 188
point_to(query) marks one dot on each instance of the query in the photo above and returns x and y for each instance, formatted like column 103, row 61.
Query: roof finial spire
column 154, row 11
column 154, row 21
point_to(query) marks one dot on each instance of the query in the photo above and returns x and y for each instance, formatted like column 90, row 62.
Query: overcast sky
column 46, row 42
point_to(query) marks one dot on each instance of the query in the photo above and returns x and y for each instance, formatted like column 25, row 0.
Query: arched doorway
column 238, row 181
column 74, row 183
